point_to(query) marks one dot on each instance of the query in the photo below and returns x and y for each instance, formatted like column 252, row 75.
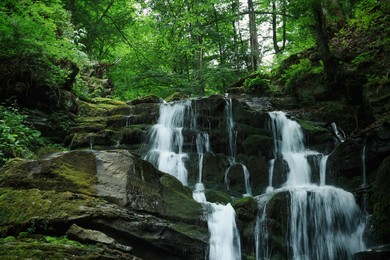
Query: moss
column 83, row 181
column 73, row 171
column 20, row 207
column 218, row 197
column 246, row 208
column 255, row 143
column 176, row 96
column 194, row 231
column 107, row 101
column 315, row 135
column 39, row 247
column 178, row 201
column 380, row 203
column 102, row 107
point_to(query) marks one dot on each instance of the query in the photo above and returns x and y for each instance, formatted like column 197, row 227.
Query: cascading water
column 324, row 222
column 232, row 133
column 166, row 138
column 166, row 152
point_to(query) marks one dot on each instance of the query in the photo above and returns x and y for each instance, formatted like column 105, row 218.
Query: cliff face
column 103, row 183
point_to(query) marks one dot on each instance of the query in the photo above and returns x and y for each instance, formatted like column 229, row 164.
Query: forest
column 88, row 75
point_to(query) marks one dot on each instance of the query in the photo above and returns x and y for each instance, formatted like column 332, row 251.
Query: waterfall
column 166, row 152
column 202, row 145
column 364, row 166
column 288, row 138
column 324, row 160
column 271, row 164
column 166, row 141
column 232, row 133
column 224, row 237
column 325, row 222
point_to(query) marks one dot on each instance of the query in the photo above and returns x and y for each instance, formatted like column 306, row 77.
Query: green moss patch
column 215, row 196
column 47, row 247
column 178, row 200
column 72, row 171
column 21, row 207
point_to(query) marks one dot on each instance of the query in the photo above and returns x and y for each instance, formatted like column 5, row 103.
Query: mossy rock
column 73, row 172
column 255, row 144
column 340, row 112
column 107, row 101
column 178, row 201
column 47, row 247
column 316, row 137
column 176, row 96
column 21, row 207
column 220, row 197
column 380, row 203
column 246, row 208
column 105, row 139
column 102, row 108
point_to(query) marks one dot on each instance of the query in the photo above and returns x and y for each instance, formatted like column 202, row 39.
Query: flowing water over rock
column 166, row 152
column 323, row 222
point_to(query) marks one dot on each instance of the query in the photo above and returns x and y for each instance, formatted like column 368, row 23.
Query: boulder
column 113, row 190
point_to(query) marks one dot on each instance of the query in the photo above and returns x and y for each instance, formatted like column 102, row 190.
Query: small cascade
column 248, row 187
column 288, row 139
column 232, row 133
column 202, row 145
column 324, row 160
column 263, row 250
column 324, row 222
column 91, row 140
column 271, row 164
column 224, row 237
column 166, row 152
column 166, row 139
column 364, row 177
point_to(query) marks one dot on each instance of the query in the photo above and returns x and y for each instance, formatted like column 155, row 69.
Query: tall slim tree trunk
column 322, row 41
column 201, row 72
column 274, row 28
column 254, row 44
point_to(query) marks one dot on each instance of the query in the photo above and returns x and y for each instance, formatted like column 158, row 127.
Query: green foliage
column 259, row 83
column 63, row 240
column 7, row 239
column 362, row 57
column 17, row 138
column 296, row 72
column 36, row 37
column 366, row 14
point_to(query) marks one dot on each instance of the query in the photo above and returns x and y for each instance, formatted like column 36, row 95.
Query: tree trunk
column 322, row 41
column 201, row 72
column 274, row 28
column 254, row 44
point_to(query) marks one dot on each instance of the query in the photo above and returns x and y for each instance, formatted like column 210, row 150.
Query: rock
column 88, row 236
column 176, row 96
column 49, row 247
column 105, row 190
column 64, row 172
column 219, row 197
column 317, row 138
column 375, row 253
column 345, row 165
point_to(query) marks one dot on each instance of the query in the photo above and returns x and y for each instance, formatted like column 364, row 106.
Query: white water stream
column 167, row 153
column 325, row 222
